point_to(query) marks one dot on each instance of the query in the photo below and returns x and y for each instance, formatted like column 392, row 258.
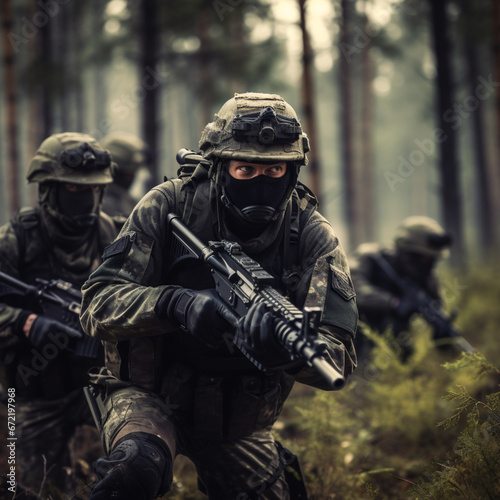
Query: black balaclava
column 81, row 206
column 71, row 235
column 250, row 204
column 258, row 198
column 415, row 265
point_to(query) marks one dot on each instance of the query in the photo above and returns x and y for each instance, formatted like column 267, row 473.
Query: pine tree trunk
column 485, row 225
column 148, row 59
column 11, row 106
column 347, row 136
column 496, row 62
column 45, row 54
column 451, row 201
column 366, row 182
column 205, row 78
column 308, row 105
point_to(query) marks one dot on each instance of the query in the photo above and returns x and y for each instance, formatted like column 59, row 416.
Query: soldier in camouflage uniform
column 61, row 239
column 175, row 384
column 130, row 153
column 419, row 243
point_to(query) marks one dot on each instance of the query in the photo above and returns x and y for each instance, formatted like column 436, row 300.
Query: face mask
column 81, row 206
column 417, row 264
column 259, row 197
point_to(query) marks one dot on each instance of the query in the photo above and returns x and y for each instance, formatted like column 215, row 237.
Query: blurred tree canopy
column 400, row 97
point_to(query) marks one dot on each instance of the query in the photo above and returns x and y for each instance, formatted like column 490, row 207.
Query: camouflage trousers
column 246, row 468
column 44, row 434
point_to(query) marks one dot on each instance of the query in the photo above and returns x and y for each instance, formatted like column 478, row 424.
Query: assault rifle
column 428, row 307
column 56, row 299
column 240, row 282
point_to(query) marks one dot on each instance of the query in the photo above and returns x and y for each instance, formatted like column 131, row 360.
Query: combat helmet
column 255, row 127
column 422, row 235
column 127, row 150
column 71, row 157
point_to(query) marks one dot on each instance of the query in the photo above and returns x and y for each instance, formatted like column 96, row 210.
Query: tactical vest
column 217, row 393
column 50, row 371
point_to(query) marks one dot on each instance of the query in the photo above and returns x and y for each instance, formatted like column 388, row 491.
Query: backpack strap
column 297, row 215
column 29, row 219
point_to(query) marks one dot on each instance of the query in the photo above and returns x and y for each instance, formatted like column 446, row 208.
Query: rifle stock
column 240, row 282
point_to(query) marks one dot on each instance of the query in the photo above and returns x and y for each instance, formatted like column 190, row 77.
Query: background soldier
column 172, row 392
column 419, row 243
column 130, row 153
column 63, row 238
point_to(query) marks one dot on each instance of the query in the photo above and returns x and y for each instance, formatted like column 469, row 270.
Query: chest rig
column 218, row 393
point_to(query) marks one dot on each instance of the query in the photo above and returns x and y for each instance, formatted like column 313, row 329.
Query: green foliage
column 423, row 429
column 473, row 469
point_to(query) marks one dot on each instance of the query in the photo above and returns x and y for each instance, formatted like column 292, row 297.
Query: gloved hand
column 405, row 307
column 204, row 315
column 45, row 329
column 257, row 330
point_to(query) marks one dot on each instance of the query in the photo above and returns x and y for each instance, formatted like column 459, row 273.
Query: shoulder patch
column 342, row 284
column 117, row 247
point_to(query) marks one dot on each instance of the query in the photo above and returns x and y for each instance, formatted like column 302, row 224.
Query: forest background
column 401, row 102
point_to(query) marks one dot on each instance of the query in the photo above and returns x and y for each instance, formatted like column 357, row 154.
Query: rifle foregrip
column 311, row 351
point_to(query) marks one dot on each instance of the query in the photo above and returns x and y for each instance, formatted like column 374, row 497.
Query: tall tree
column 451, row 202
column 346, row 127
column 472, row 38
column 366, row 180
column 205, row 87
column 308, row 103
column 149, row 59
column 45, row 66
column 11, row 108
column 496, row 63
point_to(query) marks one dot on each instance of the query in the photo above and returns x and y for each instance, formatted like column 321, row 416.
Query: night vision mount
column 84, row 156
column 266, row 127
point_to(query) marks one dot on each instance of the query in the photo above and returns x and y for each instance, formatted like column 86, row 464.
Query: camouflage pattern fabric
column 375, row 294
column 45, row 425
column 117, row 201
column 374, row 290
column 44, row 431
column 243, row 468
column 220, row 407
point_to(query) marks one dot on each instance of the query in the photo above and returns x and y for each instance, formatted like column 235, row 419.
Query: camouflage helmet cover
column 423, row 235
column 220, row 137
column 71, row 157
column 127, row 150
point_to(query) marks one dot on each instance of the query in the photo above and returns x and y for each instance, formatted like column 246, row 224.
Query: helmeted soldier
column 174, row 384
column 62, row 239
column 130, row 153
column 419, row 243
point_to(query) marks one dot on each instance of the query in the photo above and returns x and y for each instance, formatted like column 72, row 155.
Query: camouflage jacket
column 119, row 298
column 26, row 255
column 374, row 291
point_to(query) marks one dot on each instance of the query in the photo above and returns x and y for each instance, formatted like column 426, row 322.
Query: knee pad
column 139, row 468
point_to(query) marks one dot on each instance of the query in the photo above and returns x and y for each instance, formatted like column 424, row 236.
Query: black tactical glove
column 256, row 330
column 405, row 307
column 46, row 329
column 202, row 313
